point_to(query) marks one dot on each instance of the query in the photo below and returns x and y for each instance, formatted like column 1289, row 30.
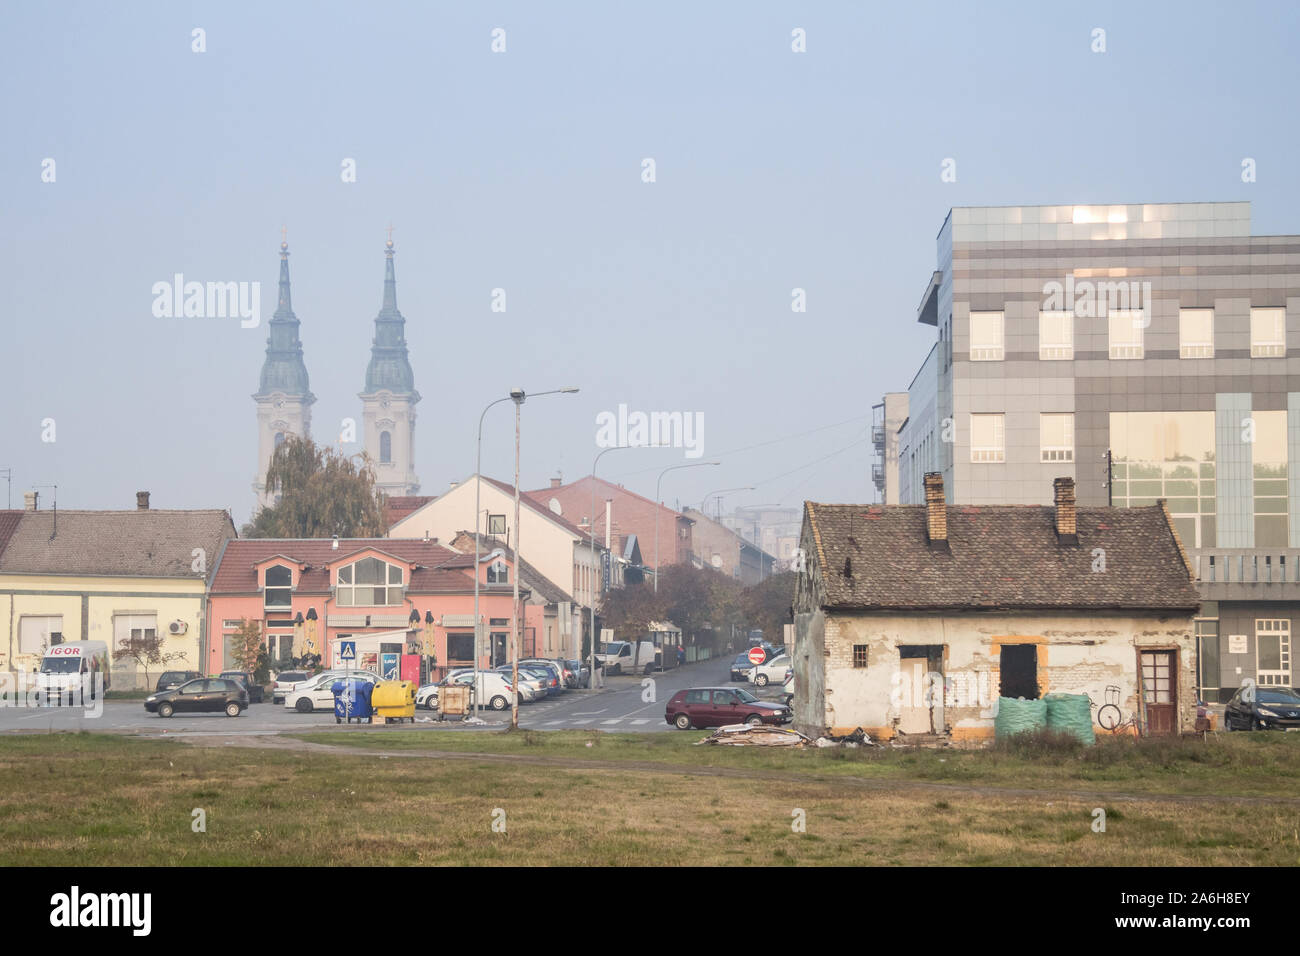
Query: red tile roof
column 399, row 506
column 236, row 575
column 531, row 500
column 8, row 525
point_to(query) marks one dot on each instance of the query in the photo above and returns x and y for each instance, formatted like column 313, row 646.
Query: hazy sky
column 522, row 171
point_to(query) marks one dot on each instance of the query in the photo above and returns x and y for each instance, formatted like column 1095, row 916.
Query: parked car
column 720, row 706
column 256, row 692
column 1263, row 708
column 773, row 669
column 173, row 679
column 741, row 667
column 204, row 695
column 570, row 671
column 582, row 672
column 284, row 682
column 316, row 693
column 787, row 687
column 533, row 682
column 556, row 684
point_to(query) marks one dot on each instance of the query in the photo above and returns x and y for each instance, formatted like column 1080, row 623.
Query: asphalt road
column 624, row 704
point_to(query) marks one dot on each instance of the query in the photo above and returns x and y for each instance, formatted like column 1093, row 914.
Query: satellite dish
column 555, row 507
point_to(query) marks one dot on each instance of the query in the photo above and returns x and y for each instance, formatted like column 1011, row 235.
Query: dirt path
column 648, row 766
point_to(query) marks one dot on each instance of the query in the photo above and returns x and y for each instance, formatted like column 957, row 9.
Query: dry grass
column 105, row 800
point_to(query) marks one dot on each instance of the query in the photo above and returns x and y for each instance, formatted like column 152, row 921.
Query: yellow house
column 107, row 576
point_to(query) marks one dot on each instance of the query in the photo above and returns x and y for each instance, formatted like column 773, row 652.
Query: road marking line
column 616, row 720
column 641, row 720
column 588, row 713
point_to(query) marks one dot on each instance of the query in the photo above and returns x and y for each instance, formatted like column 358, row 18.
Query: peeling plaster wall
column 1075, row 655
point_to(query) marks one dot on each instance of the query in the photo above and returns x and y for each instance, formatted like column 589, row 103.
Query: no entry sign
column 757, row 655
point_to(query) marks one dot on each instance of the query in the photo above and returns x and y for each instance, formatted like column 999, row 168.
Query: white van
column 71, row 667
column 628, row 657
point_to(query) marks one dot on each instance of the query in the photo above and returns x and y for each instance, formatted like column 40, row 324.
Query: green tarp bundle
column 1071, row 714
column 1017, row 715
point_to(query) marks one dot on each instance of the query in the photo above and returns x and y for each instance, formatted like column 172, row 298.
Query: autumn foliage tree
column 246, row 644
column 321, row 492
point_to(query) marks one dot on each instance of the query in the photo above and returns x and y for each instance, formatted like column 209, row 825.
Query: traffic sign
column 347, row 650
column 757, row 655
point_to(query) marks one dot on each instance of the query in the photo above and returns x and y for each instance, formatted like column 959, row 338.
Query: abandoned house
column 915, row 619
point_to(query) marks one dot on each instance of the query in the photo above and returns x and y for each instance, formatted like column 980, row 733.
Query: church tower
column 283, row 398
column 390, row 397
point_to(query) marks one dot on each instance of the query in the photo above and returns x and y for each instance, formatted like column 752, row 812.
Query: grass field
column 640, row 799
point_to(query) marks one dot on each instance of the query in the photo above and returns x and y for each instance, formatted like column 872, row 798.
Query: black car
column 740, row 666
column 173, row 679
column 256, row 692
column 207, row 695
column 1263, row 708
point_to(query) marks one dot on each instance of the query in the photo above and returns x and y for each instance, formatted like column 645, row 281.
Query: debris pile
column 743, row 735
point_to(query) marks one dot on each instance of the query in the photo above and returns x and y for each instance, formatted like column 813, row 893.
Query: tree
column 246, row 644
column 147, row 651
column 767, row 605
column 321, row 493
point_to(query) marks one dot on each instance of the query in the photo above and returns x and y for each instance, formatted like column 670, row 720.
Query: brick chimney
column 142, row 501
column 936, row 511
column 1067, row 530
column 29, row 500
column 557, row 482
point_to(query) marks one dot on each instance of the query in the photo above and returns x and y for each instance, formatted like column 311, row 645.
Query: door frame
column 1144, row 714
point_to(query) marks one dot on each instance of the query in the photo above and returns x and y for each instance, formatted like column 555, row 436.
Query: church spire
column 284, row 370
column 390, row 366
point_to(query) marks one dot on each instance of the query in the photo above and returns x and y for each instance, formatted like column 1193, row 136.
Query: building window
column 1267, row 333
column 278, row 587
column 986, row 337
column 1273, row 653
column 497, row 526
column 1056, row 436
column 1270, row 479
column 1055, row 336
column 1168, row 455
column 498, row 573
column 36, row 634
column 279, row 439
column 859, row 655
column 1126, row 333
column 369, row 583
column 1207, row 658
column 988, row 438
column 385, row 448
column 134, row 627
column 1195, row 333
column 460, row 648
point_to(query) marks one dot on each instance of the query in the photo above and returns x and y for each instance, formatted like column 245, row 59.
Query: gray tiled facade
column 1236, row 499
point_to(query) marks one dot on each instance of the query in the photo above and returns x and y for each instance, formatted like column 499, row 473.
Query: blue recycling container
column 352, row 700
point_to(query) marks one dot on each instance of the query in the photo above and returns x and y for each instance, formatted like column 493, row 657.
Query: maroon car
column 719, row 706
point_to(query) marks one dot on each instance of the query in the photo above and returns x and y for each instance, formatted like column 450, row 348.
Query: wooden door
column 914, row 713
column 1160, row 691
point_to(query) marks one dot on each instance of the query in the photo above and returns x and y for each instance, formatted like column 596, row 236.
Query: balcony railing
column 878, row 435
column 1248, row 567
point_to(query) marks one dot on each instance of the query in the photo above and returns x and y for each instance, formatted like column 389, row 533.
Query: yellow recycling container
column 394, row 700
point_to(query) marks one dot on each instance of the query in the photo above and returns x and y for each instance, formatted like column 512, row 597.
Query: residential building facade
column 915, row 619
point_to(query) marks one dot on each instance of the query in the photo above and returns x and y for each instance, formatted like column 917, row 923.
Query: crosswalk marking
column 616, row 720
column 641, row 720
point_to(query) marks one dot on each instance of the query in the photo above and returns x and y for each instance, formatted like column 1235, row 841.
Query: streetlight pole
column 658, row 506
column 591, row 530
column 517, row 395
column 720, row 492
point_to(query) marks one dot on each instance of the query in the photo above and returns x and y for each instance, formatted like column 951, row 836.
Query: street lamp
column 478, row 492
column 694, row 464
column 591, row 529
column 518, row 396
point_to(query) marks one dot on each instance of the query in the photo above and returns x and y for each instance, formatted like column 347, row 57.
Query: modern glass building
column 1150, row 352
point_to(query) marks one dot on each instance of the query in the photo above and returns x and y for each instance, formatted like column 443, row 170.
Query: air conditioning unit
column 177, row 627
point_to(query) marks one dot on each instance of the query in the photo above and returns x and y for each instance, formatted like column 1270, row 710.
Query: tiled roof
column 399, row 506
column 8, row 525
column 150, row 543
column 998, row 556
column 528, row 500
column 236, row 573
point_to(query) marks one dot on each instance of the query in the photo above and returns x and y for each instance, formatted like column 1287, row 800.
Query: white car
column 770, row 671
column 316, row 693
column 494, row 690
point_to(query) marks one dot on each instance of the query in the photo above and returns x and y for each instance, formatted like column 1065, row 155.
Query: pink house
column 382, row 598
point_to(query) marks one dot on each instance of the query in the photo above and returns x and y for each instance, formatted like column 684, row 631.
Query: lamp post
column 694, row 464
column 517, row 395
column 591, row 529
